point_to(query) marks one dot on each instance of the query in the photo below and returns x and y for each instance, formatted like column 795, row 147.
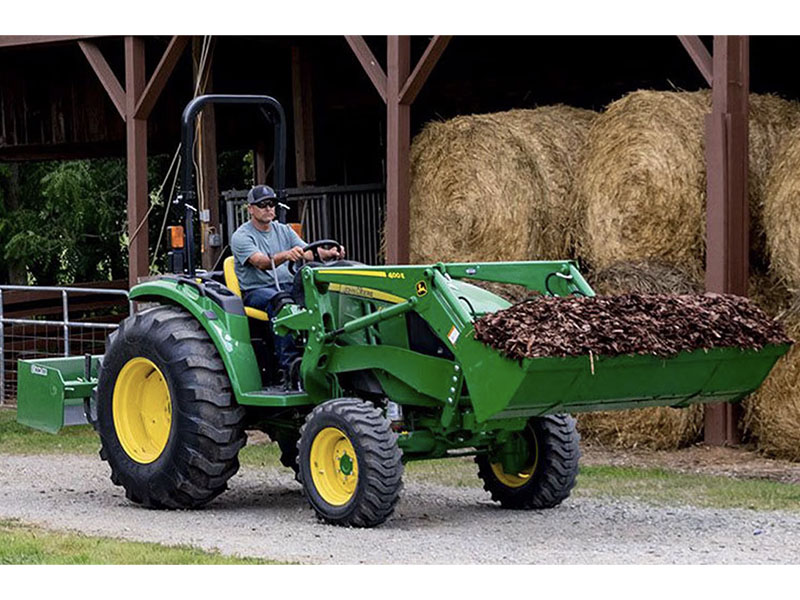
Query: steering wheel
column 314, row 247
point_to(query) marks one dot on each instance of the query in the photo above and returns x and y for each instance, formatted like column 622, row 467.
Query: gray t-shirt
column 247, row 240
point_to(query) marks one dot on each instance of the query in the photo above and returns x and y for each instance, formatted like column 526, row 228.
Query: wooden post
column 727, row 217
column 260, row 163
column 303, row 117
column 398, row 143
column 136, row 129
column 207, row 181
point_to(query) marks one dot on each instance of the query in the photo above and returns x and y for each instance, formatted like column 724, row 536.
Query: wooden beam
column 369, row 63
column 207, row 182
column 303, row 117
column 419, row 76
column 727, row 216
column 398, row 143
column 7, row 41
column 160, row 76
column 136, row 129
column 106, row 75
column 699, row 54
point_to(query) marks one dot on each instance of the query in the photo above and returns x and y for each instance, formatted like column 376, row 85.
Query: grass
column 652, row 485
column 27, row 545
column 19, row 439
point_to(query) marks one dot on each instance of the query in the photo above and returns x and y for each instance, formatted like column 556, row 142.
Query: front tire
column 350, row 463
column 551, row 466
column 169, row 426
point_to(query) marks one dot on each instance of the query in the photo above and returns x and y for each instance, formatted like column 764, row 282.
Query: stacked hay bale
column 643, row 188
column 497, row 187
column 773, row 413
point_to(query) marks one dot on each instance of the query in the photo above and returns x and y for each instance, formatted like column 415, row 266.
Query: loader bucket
column 540, row 386
column 51, row 391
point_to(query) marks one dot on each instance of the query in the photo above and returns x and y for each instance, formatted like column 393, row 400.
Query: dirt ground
column 740, row 462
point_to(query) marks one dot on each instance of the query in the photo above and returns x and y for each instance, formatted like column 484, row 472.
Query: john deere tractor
column 391, row 372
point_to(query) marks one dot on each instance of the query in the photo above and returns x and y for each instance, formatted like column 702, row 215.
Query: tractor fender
column 229, row 332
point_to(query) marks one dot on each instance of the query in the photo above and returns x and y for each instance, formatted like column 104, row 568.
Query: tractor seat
column 232, row 282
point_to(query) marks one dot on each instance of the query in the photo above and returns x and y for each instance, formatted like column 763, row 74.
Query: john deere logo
column 422, row 288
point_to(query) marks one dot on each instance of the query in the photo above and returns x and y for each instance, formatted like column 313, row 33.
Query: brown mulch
column 658, row 324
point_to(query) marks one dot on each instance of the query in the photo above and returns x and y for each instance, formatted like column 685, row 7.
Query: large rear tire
column 169, row 426
column 350, row 463
column 551, row 466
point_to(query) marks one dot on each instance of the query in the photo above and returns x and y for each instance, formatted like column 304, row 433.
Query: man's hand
column 332, row 254
column 292, row 254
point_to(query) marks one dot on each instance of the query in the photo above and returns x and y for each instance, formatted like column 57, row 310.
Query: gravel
column 265, row 515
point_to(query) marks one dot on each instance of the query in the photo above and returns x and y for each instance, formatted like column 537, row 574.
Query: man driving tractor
column 262, row 249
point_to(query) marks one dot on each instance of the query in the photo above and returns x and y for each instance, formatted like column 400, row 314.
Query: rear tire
column 169, row 426
column 550, row 471
column 350, row 463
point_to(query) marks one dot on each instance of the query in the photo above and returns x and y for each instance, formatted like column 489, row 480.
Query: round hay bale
column 772, row 413
column 496, row 187
column 643, row 179
column 659, row 428
column 782, row 212
column 644, row 277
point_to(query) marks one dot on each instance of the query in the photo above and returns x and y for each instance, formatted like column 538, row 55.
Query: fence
column 353, row 215
column 28, row 328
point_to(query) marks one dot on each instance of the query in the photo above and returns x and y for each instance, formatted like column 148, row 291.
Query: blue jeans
column 285, row 349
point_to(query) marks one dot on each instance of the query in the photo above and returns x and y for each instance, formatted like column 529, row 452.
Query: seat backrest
column 231, row 281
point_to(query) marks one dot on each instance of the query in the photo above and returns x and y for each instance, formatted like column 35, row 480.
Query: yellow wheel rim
column 142, row 410
column 334, row 468
column 515, row 480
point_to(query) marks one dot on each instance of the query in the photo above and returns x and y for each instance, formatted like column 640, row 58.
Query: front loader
column 390, row 372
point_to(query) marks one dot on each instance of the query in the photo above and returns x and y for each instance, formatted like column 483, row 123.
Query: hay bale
column 782, row 212
column 644, row 277
column 659, row 428
column 772, row 414
column 643, row 180
column 496, row 187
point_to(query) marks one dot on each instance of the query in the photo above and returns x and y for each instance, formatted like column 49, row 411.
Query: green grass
column 653, row 486
column 659, row 486
column 27, row 545
column 19, row 439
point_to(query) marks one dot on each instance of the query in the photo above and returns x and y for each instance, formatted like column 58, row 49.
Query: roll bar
column 272, row 111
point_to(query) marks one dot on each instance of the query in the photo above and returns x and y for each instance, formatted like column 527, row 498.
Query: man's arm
column 261, row 261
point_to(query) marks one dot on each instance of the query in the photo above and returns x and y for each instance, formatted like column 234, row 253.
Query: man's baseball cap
column 259, row 193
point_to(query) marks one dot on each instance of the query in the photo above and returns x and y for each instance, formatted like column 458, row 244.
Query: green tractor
column 390, row 372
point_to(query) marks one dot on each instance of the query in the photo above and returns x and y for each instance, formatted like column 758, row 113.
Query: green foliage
column 68, row 222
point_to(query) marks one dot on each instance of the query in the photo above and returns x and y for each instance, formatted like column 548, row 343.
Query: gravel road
column 264, row 514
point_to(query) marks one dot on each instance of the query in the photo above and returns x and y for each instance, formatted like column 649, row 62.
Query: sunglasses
column 265, row 204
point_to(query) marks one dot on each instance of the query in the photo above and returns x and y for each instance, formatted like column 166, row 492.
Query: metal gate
column 353, row 215
column 30, row 327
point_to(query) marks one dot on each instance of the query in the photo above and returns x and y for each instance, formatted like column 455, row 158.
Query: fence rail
column 29, row 335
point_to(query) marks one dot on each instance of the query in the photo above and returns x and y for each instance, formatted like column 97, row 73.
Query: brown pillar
column 136, row 130
column 398, row 142
column 727, row 218
column 207, row 182
column 302, row 105
column 260, row 163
